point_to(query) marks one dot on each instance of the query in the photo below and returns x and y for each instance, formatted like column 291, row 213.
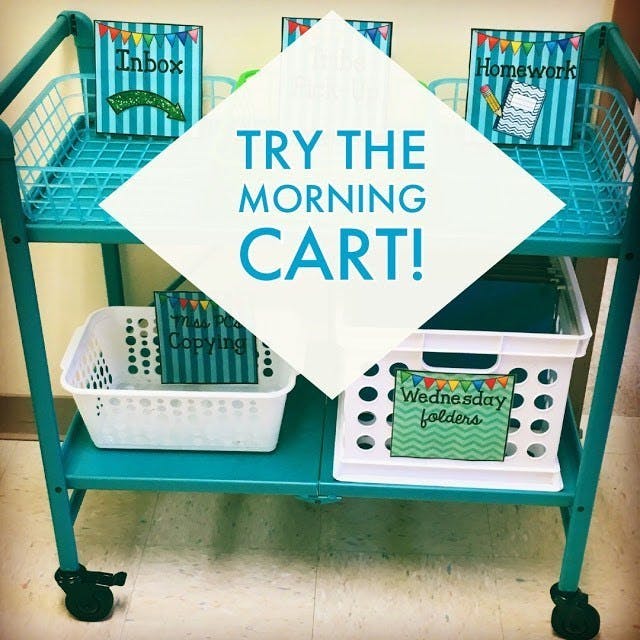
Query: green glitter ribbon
column 124, row 100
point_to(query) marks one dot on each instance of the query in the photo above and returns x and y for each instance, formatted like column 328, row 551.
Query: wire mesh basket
column 64, row 167
column 593, row 176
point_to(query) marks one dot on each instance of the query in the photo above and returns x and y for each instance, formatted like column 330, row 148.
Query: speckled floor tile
column 525, row 531
column 398, row 526
column 383, row 596
column 6, row 450
column 523, row 601
column 201, row 594
column 111, row 532
column 525, row 604
column 614, row 536
column 227, row 522
column 32, row 605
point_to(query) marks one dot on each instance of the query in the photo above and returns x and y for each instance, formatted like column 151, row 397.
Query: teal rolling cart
column 54, row 170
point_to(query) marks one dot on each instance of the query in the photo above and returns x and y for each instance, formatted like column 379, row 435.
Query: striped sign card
column 148, row 77
column 451, row 416
column 201, row 343
column 376, row 31
column 523, row 84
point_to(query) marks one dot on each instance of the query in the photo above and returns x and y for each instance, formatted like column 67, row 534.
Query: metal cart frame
column 302, row 464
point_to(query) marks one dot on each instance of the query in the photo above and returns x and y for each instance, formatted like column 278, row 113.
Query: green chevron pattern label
column 451, row 416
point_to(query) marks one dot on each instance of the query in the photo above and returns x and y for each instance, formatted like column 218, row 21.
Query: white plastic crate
column 541, row 363
column 111, row 367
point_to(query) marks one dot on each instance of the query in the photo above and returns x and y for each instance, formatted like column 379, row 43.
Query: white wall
column 431, row 40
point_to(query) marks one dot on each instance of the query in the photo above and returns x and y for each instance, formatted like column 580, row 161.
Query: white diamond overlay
column 479, row 205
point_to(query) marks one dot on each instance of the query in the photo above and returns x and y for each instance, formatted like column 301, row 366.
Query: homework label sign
column 332, row 192
column 451, row 416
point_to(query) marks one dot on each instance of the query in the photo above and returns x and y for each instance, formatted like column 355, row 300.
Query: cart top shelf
column 65, row 169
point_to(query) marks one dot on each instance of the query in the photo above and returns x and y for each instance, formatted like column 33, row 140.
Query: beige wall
column 430, row 41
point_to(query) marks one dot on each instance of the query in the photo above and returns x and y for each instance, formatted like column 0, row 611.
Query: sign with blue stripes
column 523, row 84
column 148, row 78
column 201, row 343
column 376, row 31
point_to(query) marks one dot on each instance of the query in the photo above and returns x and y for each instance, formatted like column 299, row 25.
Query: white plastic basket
column 111, row 367
column 542, row 366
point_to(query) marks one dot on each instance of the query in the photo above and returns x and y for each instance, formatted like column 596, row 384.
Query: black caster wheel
column 574, row 621
column 90, row 603
column 88, row 595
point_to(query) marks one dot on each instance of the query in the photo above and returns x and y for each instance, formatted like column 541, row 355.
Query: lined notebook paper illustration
column 520, row 110
column 522, row 85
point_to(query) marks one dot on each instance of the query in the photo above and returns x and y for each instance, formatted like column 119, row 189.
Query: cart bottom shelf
column 301, row 465
column 291, row 469
column 569, row 454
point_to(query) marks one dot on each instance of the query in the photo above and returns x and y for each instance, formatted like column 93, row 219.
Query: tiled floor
column 273, row 568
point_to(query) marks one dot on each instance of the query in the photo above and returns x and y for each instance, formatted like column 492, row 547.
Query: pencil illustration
column 492, row 101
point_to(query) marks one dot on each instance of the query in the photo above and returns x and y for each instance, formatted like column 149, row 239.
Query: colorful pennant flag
column 373, row 33
column 428, row 382
column 114, row 32
column 552, row 45
column 452, row 383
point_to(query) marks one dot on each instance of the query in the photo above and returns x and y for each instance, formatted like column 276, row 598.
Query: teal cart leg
column 573, row 617
column 88, row 596
column 113, row 274
column 24, row 290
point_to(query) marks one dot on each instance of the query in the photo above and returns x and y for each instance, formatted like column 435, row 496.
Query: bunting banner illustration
column 451, row 416
column 428, row 380
column 200, row 343
column 378, row 32
column 147, row 38
column 148, row 78
column 523, row 85
column 177, row 301
column 490, row 41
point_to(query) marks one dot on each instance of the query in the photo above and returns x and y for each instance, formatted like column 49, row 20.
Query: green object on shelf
column 244, row 76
